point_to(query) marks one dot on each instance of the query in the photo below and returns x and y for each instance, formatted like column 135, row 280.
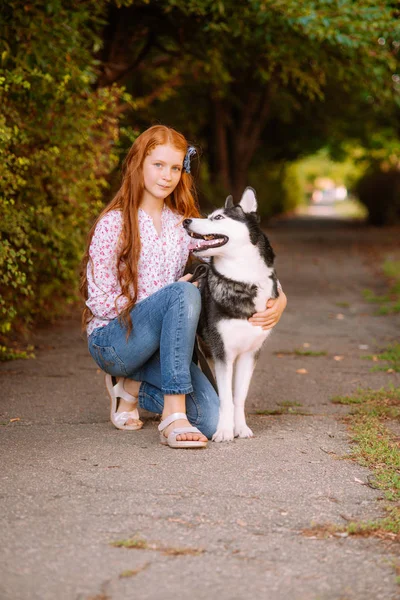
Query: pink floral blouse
column 162, row 261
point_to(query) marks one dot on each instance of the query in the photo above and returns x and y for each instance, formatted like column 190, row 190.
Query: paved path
column 71, row 484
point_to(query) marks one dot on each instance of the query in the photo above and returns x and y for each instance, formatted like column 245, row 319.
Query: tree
column 57, row 147
column 254, row 67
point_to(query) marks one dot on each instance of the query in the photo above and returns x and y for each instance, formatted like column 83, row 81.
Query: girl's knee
column 189, row 293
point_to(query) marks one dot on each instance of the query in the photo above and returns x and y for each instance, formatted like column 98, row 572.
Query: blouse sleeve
column 102, row 270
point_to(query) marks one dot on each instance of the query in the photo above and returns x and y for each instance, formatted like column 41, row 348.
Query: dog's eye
column 217, row 217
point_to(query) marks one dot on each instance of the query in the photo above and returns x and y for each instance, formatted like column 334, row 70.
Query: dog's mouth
column 211, row 240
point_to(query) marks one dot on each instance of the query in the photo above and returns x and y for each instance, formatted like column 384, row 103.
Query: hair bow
column 191, row 151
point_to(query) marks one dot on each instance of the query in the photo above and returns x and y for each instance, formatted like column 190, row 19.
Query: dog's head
column 226, row 228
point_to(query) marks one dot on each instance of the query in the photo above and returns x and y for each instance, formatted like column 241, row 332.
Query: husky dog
column 240, row 280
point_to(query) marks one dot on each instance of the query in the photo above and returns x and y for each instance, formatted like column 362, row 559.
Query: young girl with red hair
column 141, row 314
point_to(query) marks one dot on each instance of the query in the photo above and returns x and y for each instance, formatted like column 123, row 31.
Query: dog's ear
column 248, row 201
column 229, row 202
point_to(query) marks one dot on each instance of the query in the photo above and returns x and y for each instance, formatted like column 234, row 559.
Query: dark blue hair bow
column 191, row 151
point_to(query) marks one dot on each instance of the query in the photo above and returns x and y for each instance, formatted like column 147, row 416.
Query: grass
column 299, row 352
column 386, row 529
column 133, row 572
column 390, row 355
column 377, row 448
column 139, row 543
column 389, row 303
column 285, row 408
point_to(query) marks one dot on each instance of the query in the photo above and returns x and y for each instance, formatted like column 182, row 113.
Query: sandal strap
column 170, row 419
column 122, row 417
column 120, row 392
column 180, row 430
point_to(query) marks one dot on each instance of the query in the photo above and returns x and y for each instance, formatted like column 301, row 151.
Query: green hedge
column 379, row 191
column 58, row 139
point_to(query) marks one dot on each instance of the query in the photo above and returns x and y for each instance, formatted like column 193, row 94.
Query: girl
column 141, row 315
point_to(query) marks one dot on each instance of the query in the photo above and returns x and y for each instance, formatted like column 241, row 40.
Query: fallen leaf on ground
column 390, row 371
column 302, row 371
column 338, row 357
column 16, row 419
column 306, row 345
column 280, row 355
column 241, row 523
column 375, row 358
column 340, row 316
column 172, row 520
column 359, row 481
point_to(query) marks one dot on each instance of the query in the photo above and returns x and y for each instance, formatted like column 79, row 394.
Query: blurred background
column 300, row 100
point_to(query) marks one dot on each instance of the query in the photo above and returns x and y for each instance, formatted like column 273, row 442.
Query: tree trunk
column 222, row 145
column 119, row 56
column 246, row 137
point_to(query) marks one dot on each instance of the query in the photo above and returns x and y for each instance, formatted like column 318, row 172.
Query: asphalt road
column 223, row 523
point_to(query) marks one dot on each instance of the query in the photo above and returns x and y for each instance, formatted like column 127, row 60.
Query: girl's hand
column 270, row 317
column 187, row 277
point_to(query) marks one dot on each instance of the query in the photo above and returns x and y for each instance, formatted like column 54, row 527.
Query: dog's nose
column 187, row 221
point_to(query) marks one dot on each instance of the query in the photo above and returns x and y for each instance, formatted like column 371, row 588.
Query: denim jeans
column 158, row 352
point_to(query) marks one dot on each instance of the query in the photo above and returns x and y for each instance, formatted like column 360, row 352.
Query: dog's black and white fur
column 240, row 280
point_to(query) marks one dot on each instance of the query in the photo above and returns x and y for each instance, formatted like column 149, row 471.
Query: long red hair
column 127, row 200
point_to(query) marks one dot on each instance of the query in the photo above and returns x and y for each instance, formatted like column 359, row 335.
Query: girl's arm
column 271, row 316
column 103, row 286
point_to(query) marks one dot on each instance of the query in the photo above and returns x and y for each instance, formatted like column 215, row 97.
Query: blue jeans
column 158, row 352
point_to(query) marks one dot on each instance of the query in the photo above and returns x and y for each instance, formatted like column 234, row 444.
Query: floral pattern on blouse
column 162, row 261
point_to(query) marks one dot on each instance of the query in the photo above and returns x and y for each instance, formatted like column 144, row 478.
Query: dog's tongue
column 207, row 242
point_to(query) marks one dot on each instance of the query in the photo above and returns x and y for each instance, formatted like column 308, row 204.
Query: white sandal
column 171, row 440
column 118, row 419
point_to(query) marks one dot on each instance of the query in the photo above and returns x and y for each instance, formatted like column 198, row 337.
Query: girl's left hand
column 270, row 317
column 188, row 277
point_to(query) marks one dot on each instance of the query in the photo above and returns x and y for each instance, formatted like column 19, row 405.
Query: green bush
column 278, row 188
column 379, row 191
column 57, row 147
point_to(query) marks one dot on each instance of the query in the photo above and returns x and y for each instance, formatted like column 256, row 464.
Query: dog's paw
column 243, row 431
column 223, row 435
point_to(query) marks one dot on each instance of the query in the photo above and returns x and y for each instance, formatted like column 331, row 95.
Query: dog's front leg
column 243, row 371
column 223, row 374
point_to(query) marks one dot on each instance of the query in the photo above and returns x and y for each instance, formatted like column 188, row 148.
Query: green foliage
column 376, row 446
column 345, row 172
column 57, row 138
column 389, row 303
column 7, row 353
column 390, row 355
column 379, row 191
column 278, row 78
column 278, row 187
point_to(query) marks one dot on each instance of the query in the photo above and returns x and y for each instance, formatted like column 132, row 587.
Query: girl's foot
column 124, row 413
column 132, row 387
column 182, row 437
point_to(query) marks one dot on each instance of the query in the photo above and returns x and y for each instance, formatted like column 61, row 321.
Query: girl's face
column 162, row 170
